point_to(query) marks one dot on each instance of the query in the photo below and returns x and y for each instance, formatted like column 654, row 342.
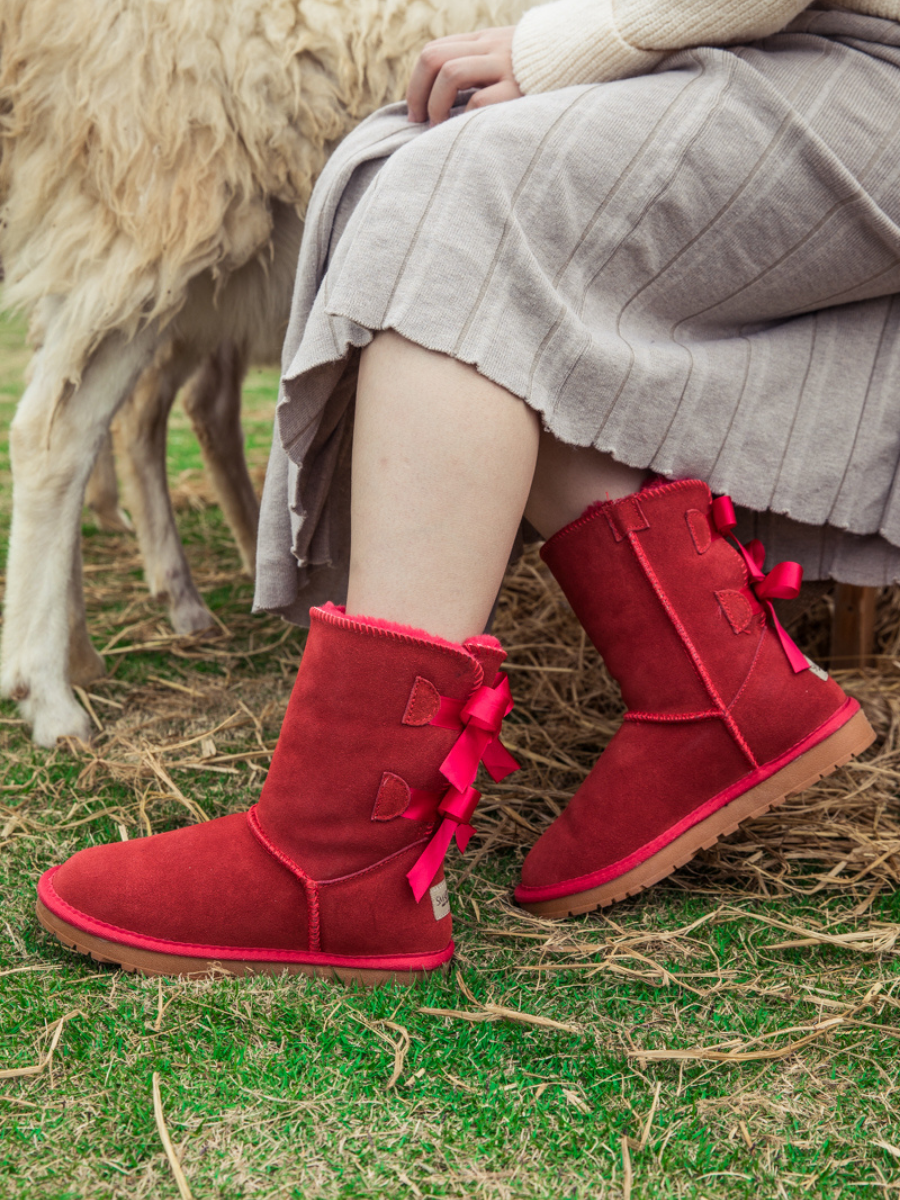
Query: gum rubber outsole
column 855, row 736
column 149, row 962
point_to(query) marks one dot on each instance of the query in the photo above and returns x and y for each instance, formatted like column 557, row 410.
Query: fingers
column 456, row 63
column 506, row 89
column 459, row 75
column 433, row 59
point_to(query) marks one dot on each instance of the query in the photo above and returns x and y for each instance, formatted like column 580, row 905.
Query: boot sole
column 852, row 738
column 150, row 962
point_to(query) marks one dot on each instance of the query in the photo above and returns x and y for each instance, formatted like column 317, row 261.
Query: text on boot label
column 440, row 900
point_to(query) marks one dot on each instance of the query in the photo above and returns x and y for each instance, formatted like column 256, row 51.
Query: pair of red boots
column 338, row 869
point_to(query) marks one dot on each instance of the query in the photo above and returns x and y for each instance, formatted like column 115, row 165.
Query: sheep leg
column 212, row 401
column 85, row 664
column 140, row 439
column 102, row 496
column 54, row 439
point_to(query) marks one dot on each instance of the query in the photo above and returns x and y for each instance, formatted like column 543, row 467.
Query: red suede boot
column 725, row 716
column 335, row 871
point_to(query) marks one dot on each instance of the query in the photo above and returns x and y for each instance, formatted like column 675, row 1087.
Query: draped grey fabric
column 694, row 270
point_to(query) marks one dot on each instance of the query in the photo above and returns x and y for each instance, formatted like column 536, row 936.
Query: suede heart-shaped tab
column 392, row 799
column 424, row 703
column 701, row 534
column 737, row 609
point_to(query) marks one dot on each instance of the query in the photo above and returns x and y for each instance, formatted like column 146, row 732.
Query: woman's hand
column 457, row 63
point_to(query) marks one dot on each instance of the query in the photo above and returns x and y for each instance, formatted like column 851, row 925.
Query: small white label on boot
column 440, row 900
column 818, row 671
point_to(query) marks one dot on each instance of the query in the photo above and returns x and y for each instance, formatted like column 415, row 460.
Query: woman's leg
column 726, row 725
column 339, row 866
column 444, row 465
column 569, row 478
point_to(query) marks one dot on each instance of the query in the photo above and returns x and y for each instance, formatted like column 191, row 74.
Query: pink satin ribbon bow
column 781, row 583
column 479, row 719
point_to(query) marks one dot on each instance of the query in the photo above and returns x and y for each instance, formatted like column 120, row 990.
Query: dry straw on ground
column 843, row 835
column 719, row 1041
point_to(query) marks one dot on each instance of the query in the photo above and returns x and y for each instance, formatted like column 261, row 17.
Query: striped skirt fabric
column 694, row 270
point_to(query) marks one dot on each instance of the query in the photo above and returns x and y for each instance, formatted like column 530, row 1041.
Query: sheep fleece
column 143, row 141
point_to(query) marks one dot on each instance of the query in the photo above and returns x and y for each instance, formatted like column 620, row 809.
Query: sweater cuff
column 574, row 41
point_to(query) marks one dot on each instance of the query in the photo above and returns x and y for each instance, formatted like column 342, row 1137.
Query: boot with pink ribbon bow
column 725, row 716
column 338, row 870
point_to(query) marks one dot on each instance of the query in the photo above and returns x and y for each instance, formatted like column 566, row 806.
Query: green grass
column 278, row 1087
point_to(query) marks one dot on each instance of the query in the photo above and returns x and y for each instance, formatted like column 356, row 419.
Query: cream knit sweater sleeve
column 587, row 41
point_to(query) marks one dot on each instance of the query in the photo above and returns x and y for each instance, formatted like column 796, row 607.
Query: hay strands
column 46, row 1059
column 497, row 1012
column 879, row 939
column 400, row 1046
column 166, row 779
column 743, row 1053
column 181, row 1182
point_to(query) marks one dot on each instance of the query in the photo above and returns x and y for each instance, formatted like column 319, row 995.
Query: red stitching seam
column 694, row 716
column 357, row 626
column 312, row 894
column 756, row 654
column 377, row 865
column 732, row 541
column 595, row 510
column 536, row 893
column 672, row 483
column 85, row 923
column 691, row 649
column 619, row 524
column 315, row 924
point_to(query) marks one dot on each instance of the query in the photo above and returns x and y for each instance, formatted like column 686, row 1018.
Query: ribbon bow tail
column 460, row 766
column 426, row 865
column 463, row 836
column 781, row 583
column 479, row 742
column 457, row 809
column 795, row 656
column 498, row 761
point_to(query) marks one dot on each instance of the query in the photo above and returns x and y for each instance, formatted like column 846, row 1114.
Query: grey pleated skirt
column 693, row 270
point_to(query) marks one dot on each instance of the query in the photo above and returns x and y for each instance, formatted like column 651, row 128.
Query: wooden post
column 853, row 626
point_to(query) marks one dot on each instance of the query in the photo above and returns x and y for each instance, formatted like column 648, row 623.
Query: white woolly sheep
column 155, row 163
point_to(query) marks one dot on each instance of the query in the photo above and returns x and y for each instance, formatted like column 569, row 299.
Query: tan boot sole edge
column 851, row 739
column 148, row 962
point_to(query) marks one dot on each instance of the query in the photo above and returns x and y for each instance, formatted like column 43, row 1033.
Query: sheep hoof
column 85, row 666
column 190, row 617
column 111, row 520
column 63, row 718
